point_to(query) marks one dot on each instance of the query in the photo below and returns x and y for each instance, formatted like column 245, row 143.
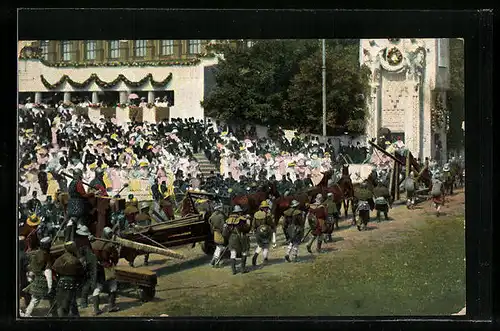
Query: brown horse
column 342, row 190
column 250, row 203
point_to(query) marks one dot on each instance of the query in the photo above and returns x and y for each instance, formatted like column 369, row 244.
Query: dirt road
column 192, row 287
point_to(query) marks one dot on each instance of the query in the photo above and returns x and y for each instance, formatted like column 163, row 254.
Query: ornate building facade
column 109, row 70
column 409, row 81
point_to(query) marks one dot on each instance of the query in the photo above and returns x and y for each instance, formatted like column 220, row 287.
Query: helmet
column 294, row 204
column 329, row 194
column 143, row 205
column 363, row 185
column 82, row 230
column 107, row 232
column 319, row 196
column 45, row 243
column 218, row 206
column 237, row 209
column 264, row 204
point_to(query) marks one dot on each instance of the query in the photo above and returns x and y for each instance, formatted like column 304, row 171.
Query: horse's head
column 326, row 176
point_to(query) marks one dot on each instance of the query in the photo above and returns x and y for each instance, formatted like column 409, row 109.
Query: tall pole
column 324, row 89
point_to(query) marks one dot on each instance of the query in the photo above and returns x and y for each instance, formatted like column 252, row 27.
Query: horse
column 341, row 190
column 250, row 203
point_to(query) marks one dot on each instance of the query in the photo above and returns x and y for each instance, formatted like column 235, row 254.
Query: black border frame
column 473, row 25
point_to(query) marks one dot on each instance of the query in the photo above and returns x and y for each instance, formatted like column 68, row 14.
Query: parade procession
column 117, row 202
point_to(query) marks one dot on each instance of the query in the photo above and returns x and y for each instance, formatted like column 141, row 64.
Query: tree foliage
column 278, row 82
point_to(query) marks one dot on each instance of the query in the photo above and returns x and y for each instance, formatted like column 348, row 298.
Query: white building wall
column 187, row 81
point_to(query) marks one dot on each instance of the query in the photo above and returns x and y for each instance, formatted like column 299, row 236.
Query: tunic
column 108, row 257
column 294, row 225
column 216, row 221
column 317, row 219
column 238, row 229
column 264, row 226
column 39, row 261
column 77, row 199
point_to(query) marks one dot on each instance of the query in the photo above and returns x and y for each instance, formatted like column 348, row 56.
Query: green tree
column 455, row 100
column 278, row 82
column 252, row 82
column 346, row 86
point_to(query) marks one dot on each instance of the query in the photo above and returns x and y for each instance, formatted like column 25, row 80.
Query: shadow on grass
column 183, row 265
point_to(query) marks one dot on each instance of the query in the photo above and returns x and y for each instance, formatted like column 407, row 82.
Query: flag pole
column 324, row 89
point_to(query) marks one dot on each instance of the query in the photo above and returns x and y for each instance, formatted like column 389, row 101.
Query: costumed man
column 216, row 222
column 29, row 232
column 23, row 272
column 108, row 257
column 295, row 230
column 316, row 217
column 382, row 200
column 71, row 272
column 83, row 239
column 332, row 218
column 77, row 204
column 42, row 286
column 265, row 231
column 236, row 228
column 437, row 193
column 410, row 186
column 98, row 182
column 448, row 178
column 362, row 196
column 142, row 219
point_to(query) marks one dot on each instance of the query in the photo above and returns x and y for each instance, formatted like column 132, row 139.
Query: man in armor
column 42, row 286
column 382, row 199
column 362, row 205
column 264, row 231
column 236, row 228
column 332, row 218
column 71, row 272
column 216, row 222
column 317, row 222
column 77, row 203
column 410, row 186
column 295, row 229
column 98, row 182
column 83, row 240
column 448, row 178
column 437, row 193
column 108, row 257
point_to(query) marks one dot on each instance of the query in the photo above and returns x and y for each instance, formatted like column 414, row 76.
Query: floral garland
column 121, row 105
column 95, row 105
column 103, row 84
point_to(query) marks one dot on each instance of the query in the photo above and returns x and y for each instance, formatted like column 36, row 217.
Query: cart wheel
column 146, row 293
column 208, row 247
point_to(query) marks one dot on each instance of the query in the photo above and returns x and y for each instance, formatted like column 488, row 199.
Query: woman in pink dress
column 114, row 175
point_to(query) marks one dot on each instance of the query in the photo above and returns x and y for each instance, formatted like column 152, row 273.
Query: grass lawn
column 421, row 273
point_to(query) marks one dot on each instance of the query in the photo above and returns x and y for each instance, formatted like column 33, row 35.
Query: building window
column 114, row 49
column 44, row 46
column 140, row 48
column 66, row 50
column 90, row 47
column 167, row 47
column 194, row 46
